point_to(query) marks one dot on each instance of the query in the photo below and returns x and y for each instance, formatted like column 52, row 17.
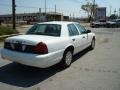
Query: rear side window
column 45, row 29
column 81, row 28
column 72, row 30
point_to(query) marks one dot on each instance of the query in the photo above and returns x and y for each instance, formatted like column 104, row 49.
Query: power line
column 21, row 6
column 76, row 1
column 5, row 5
column 18, row 6
column 50, row 9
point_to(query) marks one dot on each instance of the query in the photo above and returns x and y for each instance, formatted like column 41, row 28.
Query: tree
column 0, row 22
column 88, row 8
column 113, row 16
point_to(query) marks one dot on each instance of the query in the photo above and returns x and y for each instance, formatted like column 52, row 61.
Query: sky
column 67, row 7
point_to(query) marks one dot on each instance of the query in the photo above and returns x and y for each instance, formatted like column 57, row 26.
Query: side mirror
column 88, row 31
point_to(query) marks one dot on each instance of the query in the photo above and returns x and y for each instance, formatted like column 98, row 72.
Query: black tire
column 92, row 46
column 96, row 26
column 92, row 26
column 65, row 62
column 113, row 26
column 117, row 26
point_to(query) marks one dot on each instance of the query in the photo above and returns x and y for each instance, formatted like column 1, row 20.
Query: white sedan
column 48, row 43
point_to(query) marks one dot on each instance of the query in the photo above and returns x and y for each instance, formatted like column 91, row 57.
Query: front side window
column 72, row 30
column 81, row 28
column 45, row 29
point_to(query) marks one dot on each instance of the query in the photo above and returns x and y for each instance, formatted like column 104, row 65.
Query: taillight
column 41, row 48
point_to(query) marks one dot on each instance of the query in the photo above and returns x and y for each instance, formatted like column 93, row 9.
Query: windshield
column 45, row 29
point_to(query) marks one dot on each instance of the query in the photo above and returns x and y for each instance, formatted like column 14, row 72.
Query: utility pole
column 13, row 14
column 55, row 13
column 110, row 10
column 93, row 8
column 115, row 11
column 119, row 12
column 45, row 11
column 70, row 17
column 55, row 8
column 73, row 16
column 39, row 14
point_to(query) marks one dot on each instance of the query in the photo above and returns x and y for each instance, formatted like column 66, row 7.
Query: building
column 32, row 17
column 100, row 13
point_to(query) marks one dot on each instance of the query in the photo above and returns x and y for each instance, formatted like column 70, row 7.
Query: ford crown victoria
column 49, row 43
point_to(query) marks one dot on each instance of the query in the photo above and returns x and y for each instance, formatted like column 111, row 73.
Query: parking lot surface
column 91, row 70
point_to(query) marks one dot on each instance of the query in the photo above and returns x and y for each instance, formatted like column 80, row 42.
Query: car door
column 75, row 37
column 83, row 36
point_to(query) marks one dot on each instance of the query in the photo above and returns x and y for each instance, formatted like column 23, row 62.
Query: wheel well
column 71, row 48
column 93, row 38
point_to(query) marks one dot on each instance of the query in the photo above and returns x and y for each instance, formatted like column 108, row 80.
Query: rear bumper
column 42, row 61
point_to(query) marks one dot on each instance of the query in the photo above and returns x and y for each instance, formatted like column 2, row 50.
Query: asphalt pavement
column 91, row 70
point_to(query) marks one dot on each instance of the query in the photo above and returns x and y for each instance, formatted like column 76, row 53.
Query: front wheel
column 67, row 59
column 92, row 46
column 114, row 26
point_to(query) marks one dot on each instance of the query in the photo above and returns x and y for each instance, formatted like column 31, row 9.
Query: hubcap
column 68, row 58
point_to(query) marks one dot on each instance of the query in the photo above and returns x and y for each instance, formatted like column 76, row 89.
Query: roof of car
column 57, row 22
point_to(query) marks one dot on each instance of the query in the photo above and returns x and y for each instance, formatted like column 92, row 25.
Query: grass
column 4, row 30
column 7, row 31
column 1, row 39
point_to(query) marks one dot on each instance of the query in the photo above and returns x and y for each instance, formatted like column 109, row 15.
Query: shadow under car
column 24, row 76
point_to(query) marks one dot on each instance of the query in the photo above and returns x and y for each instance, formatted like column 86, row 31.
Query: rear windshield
column 45, row 29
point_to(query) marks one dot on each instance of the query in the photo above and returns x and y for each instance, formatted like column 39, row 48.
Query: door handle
column 73, row 39
column 83, row 37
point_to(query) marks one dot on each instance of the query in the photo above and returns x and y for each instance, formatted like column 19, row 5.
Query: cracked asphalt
column 91, row 70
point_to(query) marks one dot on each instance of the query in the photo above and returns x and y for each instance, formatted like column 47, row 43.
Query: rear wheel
column 67, row 59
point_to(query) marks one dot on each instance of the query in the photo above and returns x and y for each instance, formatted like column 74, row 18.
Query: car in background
column 98, row 23
column 115, row 23
column 118, row 22
column 48, row 43
column 21, row 22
